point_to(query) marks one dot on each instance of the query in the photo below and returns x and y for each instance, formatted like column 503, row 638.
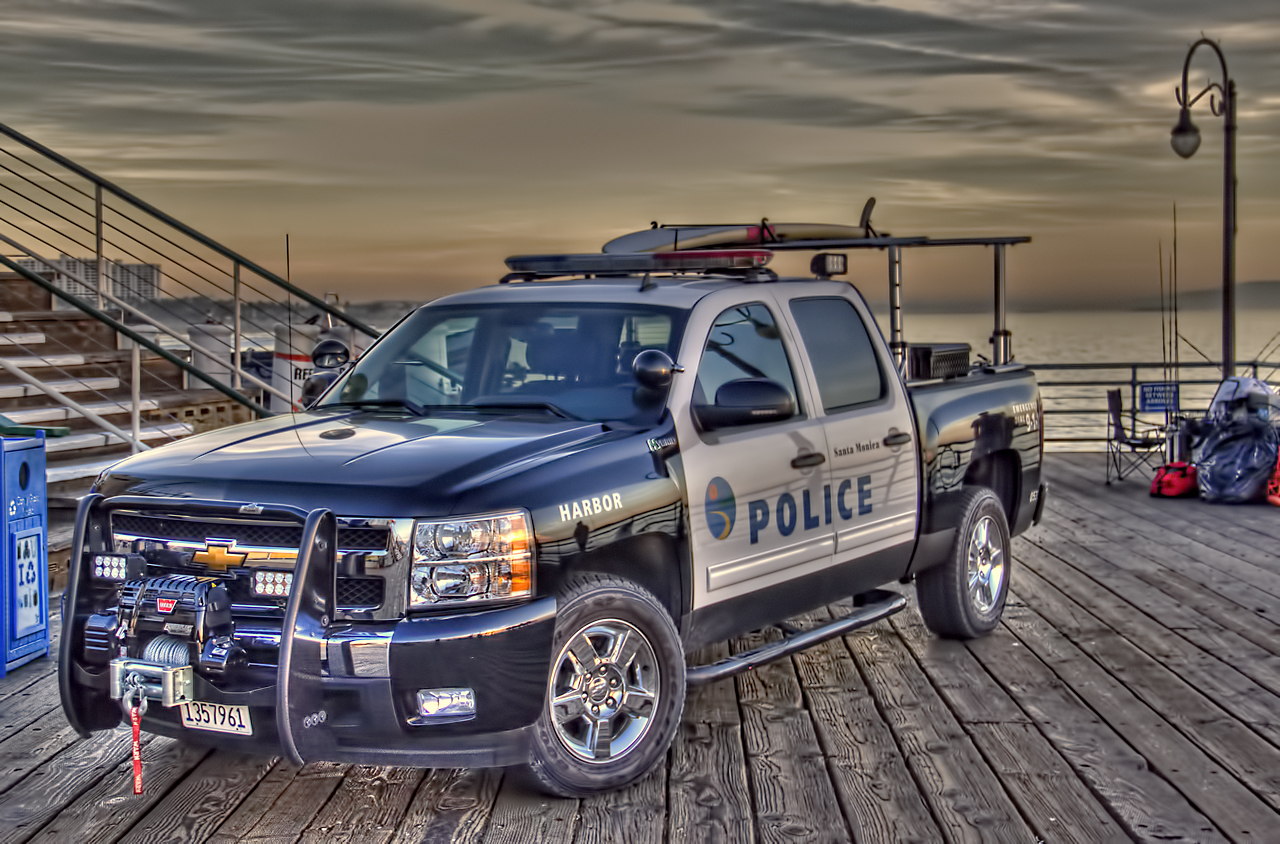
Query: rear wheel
column 615, row 692
column 964, row 597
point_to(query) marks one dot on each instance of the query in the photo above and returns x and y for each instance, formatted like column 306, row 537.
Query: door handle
column 897, row 438
column 804, row 461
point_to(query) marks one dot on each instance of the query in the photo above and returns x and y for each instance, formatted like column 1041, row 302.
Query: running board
column 878, row 604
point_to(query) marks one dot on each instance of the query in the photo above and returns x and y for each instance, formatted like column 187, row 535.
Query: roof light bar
column 640, row 262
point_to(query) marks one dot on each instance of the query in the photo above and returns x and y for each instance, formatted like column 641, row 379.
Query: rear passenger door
column 874, row 475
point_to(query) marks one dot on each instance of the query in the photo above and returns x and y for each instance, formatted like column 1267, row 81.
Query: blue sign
column 722, row 508
column 1157, row 397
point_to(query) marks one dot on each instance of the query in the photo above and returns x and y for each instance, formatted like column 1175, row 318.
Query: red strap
column 135, row 717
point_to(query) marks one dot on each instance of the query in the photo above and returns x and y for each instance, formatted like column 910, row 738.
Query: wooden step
column 24, row 338
column 98, row 439
column 59, row 413
column 15, row 391
column 46, row 361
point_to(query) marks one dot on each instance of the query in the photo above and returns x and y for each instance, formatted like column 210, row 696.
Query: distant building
column 126, row 281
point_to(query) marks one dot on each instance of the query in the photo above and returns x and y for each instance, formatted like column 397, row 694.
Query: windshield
column 572, row 360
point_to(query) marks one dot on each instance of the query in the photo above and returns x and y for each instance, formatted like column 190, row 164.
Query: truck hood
column 370, row 463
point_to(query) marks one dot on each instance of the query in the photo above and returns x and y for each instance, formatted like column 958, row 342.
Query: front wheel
column 964, row 597
column 615, row 693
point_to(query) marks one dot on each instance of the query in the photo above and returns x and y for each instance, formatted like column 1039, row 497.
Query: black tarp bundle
column 1237, row 458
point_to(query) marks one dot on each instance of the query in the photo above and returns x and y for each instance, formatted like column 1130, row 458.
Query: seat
column 1127, row 452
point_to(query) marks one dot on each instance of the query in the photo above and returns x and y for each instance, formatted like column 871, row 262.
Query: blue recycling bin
column 24, row 555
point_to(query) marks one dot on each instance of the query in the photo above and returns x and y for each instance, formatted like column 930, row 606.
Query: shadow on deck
column 1132, row 692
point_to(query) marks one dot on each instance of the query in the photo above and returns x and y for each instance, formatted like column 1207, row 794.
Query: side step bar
column 877, row 604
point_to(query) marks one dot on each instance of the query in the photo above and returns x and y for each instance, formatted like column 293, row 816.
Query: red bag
column 1273, row 487
column 1176, row 480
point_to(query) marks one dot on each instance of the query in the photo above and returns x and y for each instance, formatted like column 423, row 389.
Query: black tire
column 950, row 604
column 638, row 694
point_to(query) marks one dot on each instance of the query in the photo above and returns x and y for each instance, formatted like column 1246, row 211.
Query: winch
column 150, row 636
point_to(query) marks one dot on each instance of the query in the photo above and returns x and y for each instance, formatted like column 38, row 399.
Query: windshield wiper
column 519, row 403
column 361, row 404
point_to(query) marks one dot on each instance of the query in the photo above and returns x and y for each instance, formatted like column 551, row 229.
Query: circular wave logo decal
column 722, row 509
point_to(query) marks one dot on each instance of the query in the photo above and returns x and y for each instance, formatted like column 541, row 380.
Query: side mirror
column 315, row 386
column 330, row 354
column 746, row 401
column 653, row 369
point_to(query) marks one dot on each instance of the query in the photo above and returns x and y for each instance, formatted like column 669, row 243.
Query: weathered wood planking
column 1133, row 693
column 707, row 793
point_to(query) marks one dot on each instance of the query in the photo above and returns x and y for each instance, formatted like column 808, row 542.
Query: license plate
column 217, row 717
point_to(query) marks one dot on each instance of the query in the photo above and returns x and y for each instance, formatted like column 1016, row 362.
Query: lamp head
column 1185, row 137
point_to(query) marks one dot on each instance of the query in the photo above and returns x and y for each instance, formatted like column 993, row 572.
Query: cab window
column 744, row 343
column 841, row 353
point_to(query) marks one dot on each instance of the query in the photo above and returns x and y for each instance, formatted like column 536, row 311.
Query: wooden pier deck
column 1133, row 692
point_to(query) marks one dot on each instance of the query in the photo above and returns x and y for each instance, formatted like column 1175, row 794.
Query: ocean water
column 1075, row 417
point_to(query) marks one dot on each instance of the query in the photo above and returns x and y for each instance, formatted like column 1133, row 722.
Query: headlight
column 470, row 560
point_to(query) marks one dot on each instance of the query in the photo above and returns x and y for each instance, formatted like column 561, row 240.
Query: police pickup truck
column 494, row 538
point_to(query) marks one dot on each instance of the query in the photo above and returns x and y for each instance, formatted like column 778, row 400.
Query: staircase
column 79, row 357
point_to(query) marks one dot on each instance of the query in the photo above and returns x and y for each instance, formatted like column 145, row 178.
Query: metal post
column 1229, row 236
column 897, row 345
column 1001, row 345
column 136, row 396
column 235, row 348
column 97, row 223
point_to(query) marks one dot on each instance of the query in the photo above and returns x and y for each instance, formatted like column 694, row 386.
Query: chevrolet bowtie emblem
column 217, row 555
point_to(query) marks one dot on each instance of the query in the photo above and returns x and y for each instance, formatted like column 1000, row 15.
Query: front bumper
column 373, row 673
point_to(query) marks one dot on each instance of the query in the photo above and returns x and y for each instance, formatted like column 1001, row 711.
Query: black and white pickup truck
column 496, row 536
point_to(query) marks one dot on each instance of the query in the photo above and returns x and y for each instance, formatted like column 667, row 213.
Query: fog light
column 446, row 703
column 273, row 584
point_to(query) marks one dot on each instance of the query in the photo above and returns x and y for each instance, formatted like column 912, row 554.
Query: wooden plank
column 108, row 809
column 451, row 806
column 1216, row 679
column 1230, row 585
column 1144, row 803
column 1217, row 794
column 792, row 793
column 202, row 801
column 1056, row 802
column 34, row 745
column 259, row 801
column 707, row 793
column 305, row 795
column 636, row 815
column 26, row 706
column 878, row 796
column 972, row 694
column 1238, row 749
column 1251, row 524
column 367, row 806
column 1196, row 618
column 521, row 815
column 36, row 800
column 1171, row 529
column 964, row 794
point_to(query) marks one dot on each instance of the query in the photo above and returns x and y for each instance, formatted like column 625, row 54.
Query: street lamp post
column 1185, row 139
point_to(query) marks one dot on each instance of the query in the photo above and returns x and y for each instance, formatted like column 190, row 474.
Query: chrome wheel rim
column 986, row 565
column 603, row 690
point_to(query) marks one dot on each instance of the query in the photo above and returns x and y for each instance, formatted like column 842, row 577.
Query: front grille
column 256, row 534
column 360, row 592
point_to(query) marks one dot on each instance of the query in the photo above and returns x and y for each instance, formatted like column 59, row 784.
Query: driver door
column 757, row 509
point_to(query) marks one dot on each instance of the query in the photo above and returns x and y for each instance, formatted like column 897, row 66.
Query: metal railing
column 114, row 249
column 1075, row 401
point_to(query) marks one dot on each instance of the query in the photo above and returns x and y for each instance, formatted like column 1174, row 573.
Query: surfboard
column 680, row 238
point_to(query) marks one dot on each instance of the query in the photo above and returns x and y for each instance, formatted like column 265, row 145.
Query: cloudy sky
column 407, row 146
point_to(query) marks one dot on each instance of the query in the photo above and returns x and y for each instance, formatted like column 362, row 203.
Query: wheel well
column 1000, row 472
column 651, row 561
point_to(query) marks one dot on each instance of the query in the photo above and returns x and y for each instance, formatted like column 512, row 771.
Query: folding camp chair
column 1127, row 451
